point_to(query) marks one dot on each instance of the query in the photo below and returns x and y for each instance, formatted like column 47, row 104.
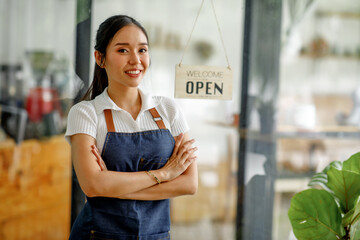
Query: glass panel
column 318, row 115
column 37, row 85
column 300, row 104
column 37, row 78
column 37, row 57
column 298, row 96
column 211, row 213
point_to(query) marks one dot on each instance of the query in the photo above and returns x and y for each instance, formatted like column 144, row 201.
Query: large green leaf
column 345, row 186
column 314, row 215
column 321, row 178
column 335, row 164
column 355, row 223
column 353, row 163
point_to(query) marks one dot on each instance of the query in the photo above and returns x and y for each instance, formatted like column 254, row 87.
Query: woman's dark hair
column 104, row 35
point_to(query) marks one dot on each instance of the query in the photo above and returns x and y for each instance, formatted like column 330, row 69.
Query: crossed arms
column 178, row 176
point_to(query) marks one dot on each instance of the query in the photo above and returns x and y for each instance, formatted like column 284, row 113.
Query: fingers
column 188, row 155
column 188, row 152
column 95, row 151
column 182, row 149
column 99, row 159
column 190, row 160
column 178, row 142
column 185, row 148
column 102, row 165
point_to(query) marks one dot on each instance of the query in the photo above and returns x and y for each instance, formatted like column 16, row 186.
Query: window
column 295, row 106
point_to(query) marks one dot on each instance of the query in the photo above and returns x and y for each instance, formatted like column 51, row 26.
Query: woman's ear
column 99, row 58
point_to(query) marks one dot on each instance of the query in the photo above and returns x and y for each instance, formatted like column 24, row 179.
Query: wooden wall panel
column 35, row 182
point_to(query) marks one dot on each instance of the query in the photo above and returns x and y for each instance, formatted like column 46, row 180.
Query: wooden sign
column 203, row 82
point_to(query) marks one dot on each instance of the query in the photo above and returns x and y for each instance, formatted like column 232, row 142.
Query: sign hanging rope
column 219, row 30
column 204, row 82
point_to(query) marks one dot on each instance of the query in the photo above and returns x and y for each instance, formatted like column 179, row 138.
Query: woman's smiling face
column 127, row 59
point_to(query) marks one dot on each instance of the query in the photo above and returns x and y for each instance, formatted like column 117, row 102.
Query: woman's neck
column 126, row 98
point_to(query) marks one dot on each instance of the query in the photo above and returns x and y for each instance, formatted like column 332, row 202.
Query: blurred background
column 295, row 106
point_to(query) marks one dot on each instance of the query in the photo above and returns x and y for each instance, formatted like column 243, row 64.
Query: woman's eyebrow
column 121, row 44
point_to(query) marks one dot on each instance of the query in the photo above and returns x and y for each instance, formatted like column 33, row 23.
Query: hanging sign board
column 203, row 82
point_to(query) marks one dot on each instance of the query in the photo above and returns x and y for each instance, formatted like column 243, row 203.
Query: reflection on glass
column 299, row 102
column 318, row 116
column 37, row 84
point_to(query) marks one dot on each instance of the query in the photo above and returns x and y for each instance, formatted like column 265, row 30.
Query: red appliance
column 41, row 101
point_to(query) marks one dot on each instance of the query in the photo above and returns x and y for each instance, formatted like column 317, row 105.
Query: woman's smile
column 134, row 73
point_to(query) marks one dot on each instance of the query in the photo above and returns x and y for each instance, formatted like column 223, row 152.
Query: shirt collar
column 103, row 101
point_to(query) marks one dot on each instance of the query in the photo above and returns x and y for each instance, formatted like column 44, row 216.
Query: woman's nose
column 134, row 58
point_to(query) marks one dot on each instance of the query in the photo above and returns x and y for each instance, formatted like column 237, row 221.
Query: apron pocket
column 159, row 236
column 96, row 235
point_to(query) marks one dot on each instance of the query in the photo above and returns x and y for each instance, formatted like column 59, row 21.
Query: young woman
column 130, row 150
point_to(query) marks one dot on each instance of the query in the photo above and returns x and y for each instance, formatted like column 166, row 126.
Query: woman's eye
column 122, row 50
column 143, row 50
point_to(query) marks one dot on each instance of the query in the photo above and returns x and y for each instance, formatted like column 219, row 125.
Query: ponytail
column 98, row 85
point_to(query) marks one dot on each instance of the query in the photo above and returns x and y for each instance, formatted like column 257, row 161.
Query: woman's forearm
column 174, row 188
column 185, row 184
column 112, row 183
column 96, row 181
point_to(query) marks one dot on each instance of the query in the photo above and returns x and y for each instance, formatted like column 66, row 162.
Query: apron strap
column 109, row 120
column 157, row 118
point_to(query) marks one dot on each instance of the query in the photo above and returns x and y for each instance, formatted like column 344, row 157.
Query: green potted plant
column 330, row 209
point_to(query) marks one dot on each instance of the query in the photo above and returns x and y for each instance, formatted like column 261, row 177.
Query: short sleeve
column 174, row 115
column 82, row 118
column 179, row 123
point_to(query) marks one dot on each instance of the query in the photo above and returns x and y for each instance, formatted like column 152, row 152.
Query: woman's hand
column 99, row 159
column 181, row 158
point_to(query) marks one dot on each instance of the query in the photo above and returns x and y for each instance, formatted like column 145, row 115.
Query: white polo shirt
column 88, row 117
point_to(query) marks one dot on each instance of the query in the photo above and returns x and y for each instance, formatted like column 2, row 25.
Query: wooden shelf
column 329, row 128
column 350, row 15
column 321, row 132
column 331, row 56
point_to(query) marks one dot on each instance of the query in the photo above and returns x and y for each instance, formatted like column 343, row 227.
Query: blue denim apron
column 117, row 219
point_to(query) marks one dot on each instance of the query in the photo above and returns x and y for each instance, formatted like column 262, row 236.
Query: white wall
column 36, row 25
column 329, row 75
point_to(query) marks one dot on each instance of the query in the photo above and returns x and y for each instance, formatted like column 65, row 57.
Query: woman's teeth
column 133, row 72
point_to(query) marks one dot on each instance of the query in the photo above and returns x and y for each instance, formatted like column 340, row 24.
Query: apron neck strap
column 154, row 113
column 109, row 120
column 157, row 118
